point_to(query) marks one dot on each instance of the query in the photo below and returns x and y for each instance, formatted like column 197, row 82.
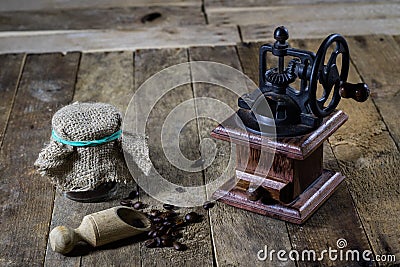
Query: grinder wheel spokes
column 328, row 75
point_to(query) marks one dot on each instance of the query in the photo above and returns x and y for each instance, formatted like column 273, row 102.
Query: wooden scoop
column 100, row 228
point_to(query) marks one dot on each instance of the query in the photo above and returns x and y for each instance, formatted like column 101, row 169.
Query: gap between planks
column 10, row 79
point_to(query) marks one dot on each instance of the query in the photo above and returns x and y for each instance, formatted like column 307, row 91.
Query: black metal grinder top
column 299, row 111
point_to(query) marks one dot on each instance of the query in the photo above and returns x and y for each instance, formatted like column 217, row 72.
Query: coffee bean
column 138, row 205
column 151, row 233
column 179, row 246
column 158, row 241
column 157, row 219
column 154, row 213
column 169, row 231
column 179, row 222
column 176, row 234
column 126, row 202
column 151, row 243
column 156, row 234
column 165, row 237
column 170, row 219
column 167, row 223
column 168, row 215
column 133, row 194
column 191, row 217
column 208, row 205
column 171, row 214
column 166, row 242
column 168, row 207
column 163, row 229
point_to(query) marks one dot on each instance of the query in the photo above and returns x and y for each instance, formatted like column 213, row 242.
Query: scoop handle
column 63, row 239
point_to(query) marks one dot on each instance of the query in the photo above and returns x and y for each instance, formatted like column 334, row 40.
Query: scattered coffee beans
column 208, row 205
column 165, row 225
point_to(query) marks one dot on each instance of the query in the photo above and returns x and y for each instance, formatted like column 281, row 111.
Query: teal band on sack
column 104, row 140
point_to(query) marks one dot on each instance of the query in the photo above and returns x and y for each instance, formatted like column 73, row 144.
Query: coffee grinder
column 296, row 184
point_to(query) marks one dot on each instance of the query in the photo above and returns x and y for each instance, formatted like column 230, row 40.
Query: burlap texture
column 84, row 168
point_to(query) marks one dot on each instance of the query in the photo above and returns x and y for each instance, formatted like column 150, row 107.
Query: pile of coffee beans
column 166, row 224
column 165, row 230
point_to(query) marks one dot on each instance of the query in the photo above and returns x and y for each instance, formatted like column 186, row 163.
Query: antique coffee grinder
column 295, row 185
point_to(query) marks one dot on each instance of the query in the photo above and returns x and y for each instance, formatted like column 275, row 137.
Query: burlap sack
column 74, row 168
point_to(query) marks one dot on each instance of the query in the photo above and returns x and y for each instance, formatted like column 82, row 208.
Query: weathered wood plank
column 230, row 4
column 27, row 5
column 112, row 40
column 321, row 29
column 366, row 152
column 370, row 52
column 108, row 78
column 195, row 236
column 47, row 83
column 336, row 219
column 237, row 235
column 303, row 13
column 10, row 74
column 112, row 18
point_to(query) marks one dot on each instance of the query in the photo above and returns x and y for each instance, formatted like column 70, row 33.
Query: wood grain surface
column 382, row 51
column 10, row 75
column 108, row 18
column 116, row 40
column 311, row 29
column 27, row 5
column 230, row 4
column 302, row 13
column 195, row 236
column 47, row 83
column 366, row 152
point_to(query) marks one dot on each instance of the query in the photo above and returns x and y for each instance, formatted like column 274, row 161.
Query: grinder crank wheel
column 328, row 75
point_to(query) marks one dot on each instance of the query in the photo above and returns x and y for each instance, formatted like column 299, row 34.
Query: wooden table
column 365, row 210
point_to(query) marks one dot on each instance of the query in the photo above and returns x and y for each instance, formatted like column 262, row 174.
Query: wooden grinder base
column 296, row 173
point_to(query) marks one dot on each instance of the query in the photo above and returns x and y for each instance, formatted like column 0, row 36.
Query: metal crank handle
column 359, row 91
